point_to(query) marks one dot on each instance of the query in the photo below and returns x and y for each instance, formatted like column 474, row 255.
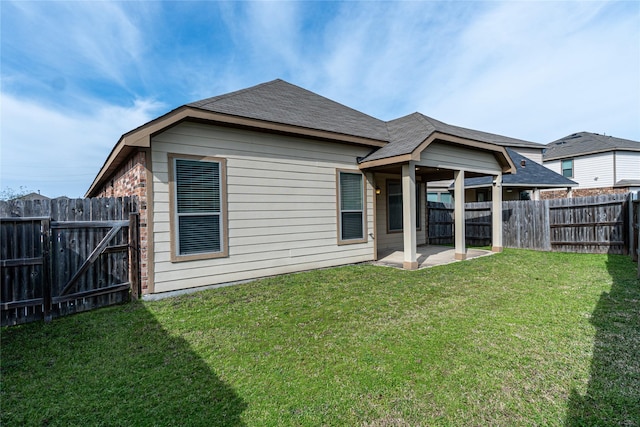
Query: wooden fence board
column 635, row 231
column 590, row 224
column 41, row 255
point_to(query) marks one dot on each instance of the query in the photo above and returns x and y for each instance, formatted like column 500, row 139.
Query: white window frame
column 562, row 168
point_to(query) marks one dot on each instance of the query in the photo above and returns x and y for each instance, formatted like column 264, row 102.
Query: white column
column 461, row 250
column 409, row 216
column 496, row 216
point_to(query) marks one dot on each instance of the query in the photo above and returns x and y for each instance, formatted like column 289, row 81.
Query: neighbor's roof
column 528, row 174
column 583, row 143
column 282, row 102
column 33, row 196
column 628, row 183
column 409, row 132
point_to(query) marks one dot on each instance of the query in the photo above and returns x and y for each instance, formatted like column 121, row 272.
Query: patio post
column 496, row 214
column 409, row 216
column 459, row 232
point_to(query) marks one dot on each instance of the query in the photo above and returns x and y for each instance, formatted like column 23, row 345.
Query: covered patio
column 427, row 150
column 427, row 256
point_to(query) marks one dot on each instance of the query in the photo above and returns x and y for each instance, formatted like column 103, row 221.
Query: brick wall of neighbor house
column 582, row 192
column 131, row 180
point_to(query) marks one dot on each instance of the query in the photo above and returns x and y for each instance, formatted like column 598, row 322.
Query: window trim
column 339, row 209
column 562, row 169
column 418, row 207
column 173, row 215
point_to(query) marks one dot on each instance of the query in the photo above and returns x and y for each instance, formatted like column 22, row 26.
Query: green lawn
column 519, row 338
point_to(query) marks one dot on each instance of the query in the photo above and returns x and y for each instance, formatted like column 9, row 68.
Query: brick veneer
column 582, row 192
column 131, row 180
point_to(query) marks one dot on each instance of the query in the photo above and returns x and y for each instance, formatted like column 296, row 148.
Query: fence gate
column 81, row 260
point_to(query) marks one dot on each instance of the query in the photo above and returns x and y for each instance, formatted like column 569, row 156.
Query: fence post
column 546, row 219
column 631, row 239
column 46, row 269
column 134, row 255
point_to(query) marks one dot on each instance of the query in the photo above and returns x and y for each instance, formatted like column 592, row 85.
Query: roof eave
column 586, row 153
column 502, row 156
column 506, row 185
column 141, row 136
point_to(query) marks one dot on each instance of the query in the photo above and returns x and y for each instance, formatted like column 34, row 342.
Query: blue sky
column 77, row 75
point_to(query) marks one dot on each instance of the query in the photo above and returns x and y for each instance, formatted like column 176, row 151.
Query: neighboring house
column 600, row 164
column 276, row 179
column 526, row 183
column 32, row 196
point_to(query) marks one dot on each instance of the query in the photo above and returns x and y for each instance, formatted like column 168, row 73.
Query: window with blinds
column 198, row 207
column 351, row 206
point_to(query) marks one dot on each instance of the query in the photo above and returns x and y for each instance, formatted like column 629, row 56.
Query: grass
column 519, row 338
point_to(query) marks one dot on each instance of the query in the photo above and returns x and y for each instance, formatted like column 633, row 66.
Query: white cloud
column 60, row 152
column 540, row 71
column 386, row 55
column 68, row 44
column 532, row 70
column 267, row 37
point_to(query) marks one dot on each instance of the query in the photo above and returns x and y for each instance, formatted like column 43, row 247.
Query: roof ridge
column 422, row 118
column 214, row 99
column 434, row 122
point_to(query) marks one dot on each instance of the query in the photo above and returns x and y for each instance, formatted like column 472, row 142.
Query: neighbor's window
column 199, row 207
column 394, row 205
column 436, row 196
column 351, row 203
column 432, row 196
column 567, row 168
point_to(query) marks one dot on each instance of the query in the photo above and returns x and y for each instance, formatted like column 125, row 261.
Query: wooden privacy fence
column 635, row 233
column 598, row 224
column 63, row 256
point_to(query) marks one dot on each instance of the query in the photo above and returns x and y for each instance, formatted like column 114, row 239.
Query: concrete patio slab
column 428, row 256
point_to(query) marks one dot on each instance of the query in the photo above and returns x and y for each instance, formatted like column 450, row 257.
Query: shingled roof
column 583, row 143
column 278, row 101
column 281, row 107
column 408, row 132
column 528, row 174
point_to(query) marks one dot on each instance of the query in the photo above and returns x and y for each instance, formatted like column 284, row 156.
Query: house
column 526, row 183
column 275, row 179
column 600, row 164
column 33, row 196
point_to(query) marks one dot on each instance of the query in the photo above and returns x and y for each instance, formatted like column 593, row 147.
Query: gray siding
column 448, row 156
column 530, row 153
column 627, row 165
column 281, row 205
column 592, row 171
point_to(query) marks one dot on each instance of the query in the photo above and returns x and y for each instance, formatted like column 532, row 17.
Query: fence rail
column 598, row 224
column 75, row 255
